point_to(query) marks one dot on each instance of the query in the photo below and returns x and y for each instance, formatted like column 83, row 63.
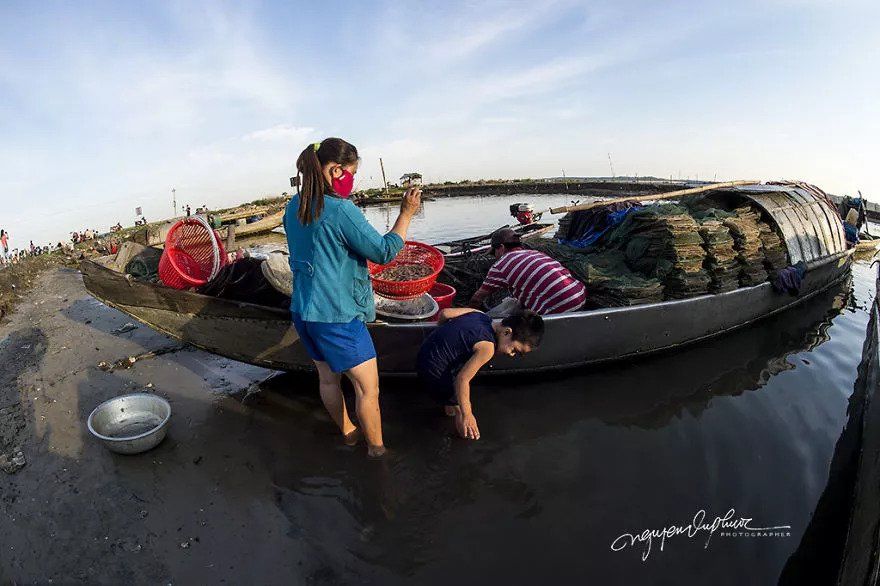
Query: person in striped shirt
column 536, row 281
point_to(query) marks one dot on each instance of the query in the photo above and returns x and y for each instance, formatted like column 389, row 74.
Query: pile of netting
column 663, row 241
column 659, row 251
column 743, row 226
column 609, row 280
column 775, row 256
column 721, row 258
column 466, row 274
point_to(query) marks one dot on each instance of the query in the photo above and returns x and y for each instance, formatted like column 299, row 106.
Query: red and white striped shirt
column 539, row 282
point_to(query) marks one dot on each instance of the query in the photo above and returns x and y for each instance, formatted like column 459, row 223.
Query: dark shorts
column 441, row 390
column 341, row 346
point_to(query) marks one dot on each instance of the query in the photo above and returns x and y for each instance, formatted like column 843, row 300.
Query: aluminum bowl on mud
column 131, row 424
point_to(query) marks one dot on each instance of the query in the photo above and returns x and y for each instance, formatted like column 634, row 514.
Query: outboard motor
column 524, row 213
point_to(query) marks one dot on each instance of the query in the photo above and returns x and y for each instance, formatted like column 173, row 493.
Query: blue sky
column 105, row 106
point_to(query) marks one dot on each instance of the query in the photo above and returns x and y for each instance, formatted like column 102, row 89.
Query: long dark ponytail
column 310, row 165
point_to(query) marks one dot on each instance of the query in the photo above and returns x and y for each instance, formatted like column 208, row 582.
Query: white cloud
column 280, row 132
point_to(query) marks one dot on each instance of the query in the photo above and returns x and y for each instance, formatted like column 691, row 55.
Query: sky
column 106, row 106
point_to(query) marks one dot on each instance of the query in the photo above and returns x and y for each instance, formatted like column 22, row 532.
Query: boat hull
column 263, row 336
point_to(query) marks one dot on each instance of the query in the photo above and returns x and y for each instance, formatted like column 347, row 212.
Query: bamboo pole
column 653, row 197
column 384, row 182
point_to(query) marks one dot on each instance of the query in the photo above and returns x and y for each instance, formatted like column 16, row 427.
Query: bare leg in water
column 365, row 378
column 334, row 401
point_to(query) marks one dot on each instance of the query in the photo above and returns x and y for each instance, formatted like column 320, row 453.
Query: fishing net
column 466, row 274
column 721, row 262
column 659, row 251
column 609, row 280
column 775, row 255
column 747, row 242
column 663, row 241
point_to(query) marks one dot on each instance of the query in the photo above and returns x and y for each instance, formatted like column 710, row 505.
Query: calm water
column 568, row 463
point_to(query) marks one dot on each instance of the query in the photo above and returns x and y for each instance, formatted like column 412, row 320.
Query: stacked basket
column 408, row 277
column 193, row 254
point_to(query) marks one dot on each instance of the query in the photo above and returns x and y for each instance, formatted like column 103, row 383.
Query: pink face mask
column 343, row 185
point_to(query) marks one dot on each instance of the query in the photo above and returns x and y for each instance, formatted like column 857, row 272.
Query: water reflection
column 568, row 463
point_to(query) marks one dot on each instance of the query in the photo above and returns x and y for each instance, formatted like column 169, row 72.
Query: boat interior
column 626, row 254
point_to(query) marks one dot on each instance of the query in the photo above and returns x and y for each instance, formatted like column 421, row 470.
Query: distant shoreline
column 600, row 187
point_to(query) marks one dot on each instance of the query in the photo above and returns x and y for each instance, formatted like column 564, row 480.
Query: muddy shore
column 16, row 280
column 200, row 508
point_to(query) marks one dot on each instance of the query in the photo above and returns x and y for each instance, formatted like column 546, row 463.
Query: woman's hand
column 412, row 201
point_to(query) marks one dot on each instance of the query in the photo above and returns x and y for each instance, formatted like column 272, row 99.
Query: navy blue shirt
column 451, row 345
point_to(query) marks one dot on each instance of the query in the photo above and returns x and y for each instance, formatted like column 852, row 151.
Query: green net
column 609, row 280
column 659, row 251
column 663, row 241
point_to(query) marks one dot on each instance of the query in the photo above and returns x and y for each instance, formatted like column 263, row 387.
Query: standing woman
column 330, row 242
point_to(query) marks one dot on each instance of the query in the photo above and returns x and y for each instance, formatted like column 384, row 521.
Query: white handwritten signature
column 698, row 524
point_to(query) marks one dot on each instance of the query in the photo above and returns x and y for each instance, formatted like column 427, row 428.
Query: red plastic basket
column 413, row 253
column 444, row 295
column 188, row 259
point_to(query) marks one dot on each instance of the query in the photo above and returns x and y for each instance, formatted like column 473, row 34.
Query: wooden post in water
column 384, row 182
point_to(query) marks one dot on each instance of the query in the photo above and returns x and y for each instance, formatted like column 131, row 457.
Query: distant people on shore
column 188, row 213
column 4, row 241
column 15, row 256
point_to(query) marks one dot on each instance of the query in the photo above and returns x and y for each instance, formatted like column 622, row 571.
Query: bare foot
column 352, row 437
column 376, row 451
column 449, row 410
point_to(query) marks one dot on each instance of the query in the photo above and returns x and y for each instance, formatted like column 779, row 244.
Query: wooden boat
column 860, row 562
column 263, row 336
column 377, row 201
column 264, row 224
column 478, row 244
column 841, row 543
column 237, row 215
column 867, row 245
column 155, row 235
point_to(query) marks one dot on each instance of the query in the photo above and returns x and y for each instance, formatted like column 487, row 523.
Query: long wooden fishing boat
column 264, row 224
column 867, row 245
column 480, row 244
column 244, row 213
column 377, row 201
column 154, row 235
column 263, row 336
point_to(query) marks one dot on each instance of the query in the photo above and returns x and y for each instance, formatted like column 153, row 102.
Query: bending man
column 536, row 281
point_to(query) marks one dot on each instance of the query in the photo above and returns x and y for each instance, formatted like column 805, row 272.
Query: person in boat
column 536, row 281
column 464, row 341
column 330, row 242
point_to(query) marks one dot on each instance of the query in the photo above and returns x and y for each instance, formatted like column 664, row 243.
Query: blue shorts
column 341, row 346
